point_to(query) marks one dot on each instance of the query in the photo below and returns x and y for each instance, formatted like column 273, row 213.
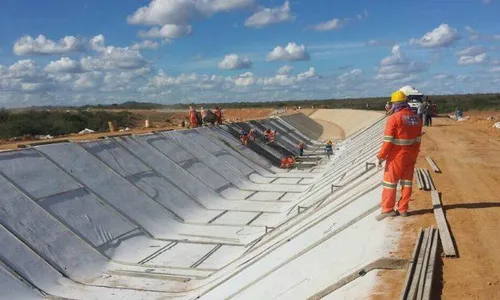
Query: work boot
column 382, row 216
column 403, row 214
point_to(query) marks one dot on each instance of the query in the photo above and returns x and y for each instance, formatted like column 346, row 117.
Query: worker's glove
column 380, row 161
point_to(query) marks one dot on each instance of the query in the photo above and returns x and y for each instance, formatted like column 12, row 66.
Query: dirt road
column 468, row 153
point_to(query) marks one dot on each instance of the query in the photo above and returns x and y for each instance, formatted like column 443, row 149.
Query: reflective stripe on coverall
column 401, row 145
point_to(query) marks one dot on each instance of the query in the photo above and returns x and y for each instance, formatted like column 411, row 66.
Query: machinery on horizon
column 414, row 96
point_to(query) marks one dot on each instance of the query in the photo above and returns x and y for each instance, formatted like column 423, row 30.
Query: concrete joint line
column 255, row 218
column 201, row 260
column 218, row 216
column 379, row 264
column 157, row 253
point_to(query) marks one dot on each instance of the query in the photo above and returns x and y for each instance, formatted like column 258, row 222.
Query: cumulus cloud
column 475, row 35
column 442, row 36
column 40, row 45
column 267, row 16
column 285, row 70
column 332, row 24
column 234, row 62
column 292, row 52
column 114, row 58
column 350, row 75
column 398, row 67
column 472, row 59
column 245, row 79
column 89, row 81
column 147, row 44
column 181, row 12
column 169, row 31
column 64, row 65
column 471, row 51
column 287, row 79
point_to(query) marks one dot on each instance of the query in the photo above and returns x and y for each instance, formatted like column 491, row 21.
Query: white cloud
column 267, row 16
column 147, row 44
column 285, row 70
column 311, row 73
column 245, row 79
column 234, row 62
column 398, row 67
column 472, row 59
column 169, row 31
column 114, row 58
column 64, row 65
column 89, row 81
column 471, row 51
column 181, row 12
column 332, row 24
column 475, row 35
column 97, row 43
column 43, row 46
column 495, row 70
column 350, row 75
column 442, row 36
column 292, row 52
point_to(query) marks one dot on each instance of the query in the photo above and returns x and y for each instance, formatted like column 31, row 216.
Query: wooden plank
column 444, row 231
column 425, row 265
column 418, row 269
column 412, row 265
column 429, row 178
column 429, row 278
column 433, row 165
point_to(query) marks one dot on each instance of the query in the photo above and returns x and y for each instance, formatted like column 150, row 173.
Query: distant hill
column 445, row 103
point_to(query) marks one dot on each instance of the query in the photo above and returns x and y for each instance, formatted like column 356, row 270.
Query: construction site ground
column 468, row 155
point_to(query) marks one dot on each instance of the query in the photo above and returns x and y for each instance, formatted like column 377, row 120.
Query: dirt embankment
column 468, row 153
column 159, row 120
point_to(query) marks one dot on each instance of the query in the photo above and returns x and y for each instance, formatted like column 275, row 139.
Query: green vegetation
column 43, row 122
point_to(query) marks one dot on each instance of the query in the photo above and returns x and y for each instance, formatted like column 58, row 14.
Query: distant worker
column 251, row 134
column 388, row 108
column 244, row 137
column 269, row 135
column 287, row 162
column 203, row 113
column 193, row 118
column 400, row 149
column 329, row 148
column 301, row 148
column 218, row 115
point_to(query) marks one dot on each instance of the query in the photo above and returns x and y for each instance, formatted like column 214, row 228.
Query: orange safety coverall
column 244, row 139
column 251, row 135
column 193, row 119
column 401, row 145
column 218, row 116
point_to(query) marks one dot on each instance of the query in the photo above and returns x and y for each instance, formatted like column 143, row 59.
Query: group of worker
column 193, row 116
column 400, row 148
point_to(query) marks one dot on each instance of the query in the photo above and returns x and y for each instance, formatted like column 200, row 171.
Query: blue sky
column 170, row 51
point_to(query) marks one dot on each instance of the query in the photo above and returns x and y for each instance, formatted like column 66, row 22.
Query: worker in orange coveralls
column 193, row 119
column 401, row 146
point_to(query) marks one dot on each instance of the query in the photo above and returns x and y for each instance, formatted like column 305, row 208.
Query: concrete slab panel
column 288, row 180
column 221, row 257
column 81, row 211
column 266, row 196
column 182, row 255
column 13, row 288
column 49, row 237
column 34, row 174
column 236, row 217
column 233, row 193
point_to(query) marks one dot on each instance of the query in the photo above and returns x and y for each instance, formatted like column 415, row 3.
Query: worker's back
column 403, row 131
